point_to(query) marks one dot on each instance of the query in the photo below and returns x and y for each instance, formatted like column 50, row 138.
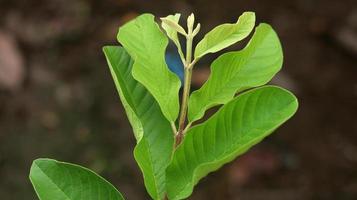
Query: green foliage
column 171, row 26
column 55, row 180
column 237, row 126
column 154, row 138
column 234, row 72
column 172, row 155
column 225, row 35
column 146, row 44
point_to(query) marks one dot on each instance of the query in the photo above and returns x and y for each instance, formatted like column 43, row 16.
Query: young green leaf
column 52, row 179
column 171, row 26
column 153, row 132
column 233, row 72
column 225, row 35
column 236, row 127
column 146, row 44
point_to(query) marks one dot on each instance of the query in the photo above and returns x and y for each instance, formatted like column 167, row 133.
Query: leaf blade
column 233, row 72
column 171, row 26
column 243, row 122
column 172, row 32
column 153, row 131
column 52, row 179
column 225, row 35
column 146, row 44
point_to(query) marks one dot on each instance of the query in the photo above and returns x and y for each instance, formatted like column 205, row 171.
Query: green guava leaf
column 234, row 72
column 146, row 44
column 153, row 132
column 171, row 32
column 225, row 35
column 237, row 126
column 54, row 180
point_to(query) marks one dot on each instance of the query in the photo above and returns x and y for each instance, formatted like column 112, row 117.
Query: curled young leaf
column 171, row 27
column 172, row 22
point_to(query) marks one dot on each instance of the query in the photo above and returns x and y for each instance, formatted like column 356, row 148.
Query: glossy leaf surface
column 172, row 32
column 237, row 126
column 233, row 72
column 54, row 180
column 146, row 44
column 153, row 132
column 225, row 35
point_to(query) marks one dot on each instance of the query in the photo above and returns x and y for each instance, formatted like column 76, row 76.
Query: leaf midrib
column 165, row 101
column 124, row 86
column 248, row 53
column 41, row 170
column 152, row 168
column 231, row 150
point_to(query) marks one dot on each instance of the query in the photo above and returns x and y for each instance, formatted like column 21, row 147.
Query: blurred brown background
column 57, row 98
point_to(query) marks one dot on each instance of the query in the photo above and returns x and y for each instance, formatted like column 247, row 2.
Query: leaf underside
column 234, row 72
column 146, row 44
column 54, row 180
column 153, row 132
column 236, row 127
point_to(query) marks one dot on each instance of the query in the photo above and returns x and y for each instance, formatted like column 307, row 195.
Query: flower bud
column 197, row 29
column 190, row 21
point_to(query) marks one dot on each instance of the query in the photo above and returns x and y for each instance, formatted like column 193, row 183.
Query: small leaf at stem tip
column 173, row 25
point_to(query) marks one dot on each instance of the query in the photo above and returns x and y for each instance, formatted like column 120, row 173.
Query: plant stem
column 185, row 94
column 186, row 88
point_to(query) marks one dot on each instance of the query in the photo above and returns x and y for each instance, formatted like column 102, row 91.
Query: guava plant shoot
column 175, row 148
